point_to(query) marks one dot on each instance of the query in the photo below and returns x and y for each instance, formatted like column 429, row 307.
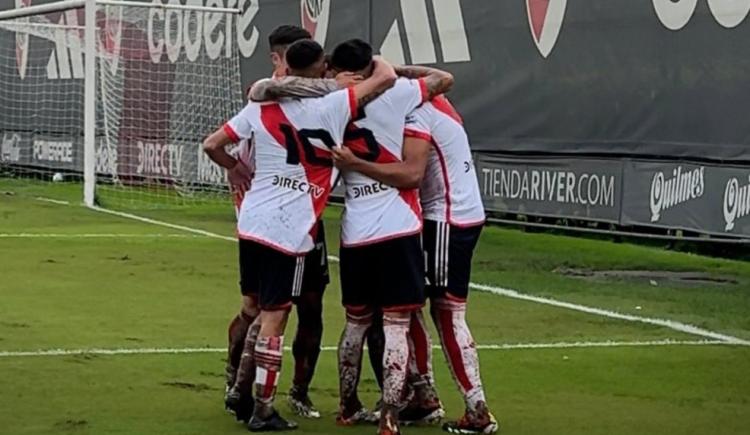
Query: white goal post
column 116, row 95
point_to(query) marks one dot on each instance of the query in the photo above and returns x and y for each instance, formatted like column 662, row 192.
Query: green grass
column 140, row 292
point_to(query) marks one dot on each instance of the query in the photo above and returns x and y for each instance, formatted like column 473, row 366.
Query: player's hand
column 239, row 177
column 344, row 158
column 346, row 79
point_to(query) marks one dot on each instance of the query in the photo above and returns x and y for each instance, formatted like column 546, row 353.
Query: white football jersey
column 450, row 189
column 375, row 211
column 294, row 170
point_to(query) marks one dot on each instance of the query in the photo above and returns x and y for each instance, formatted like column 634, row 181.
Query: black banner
column 581, row 188
column 660, row 78
column 710, row 199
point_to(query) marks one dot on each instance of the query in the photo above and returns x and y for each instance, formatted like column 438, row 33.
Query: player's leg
column 236, row 337
column 425, row 406
column 401, row 293
column 306, row 345
column 375, row 348
column 449, row 268
column 375, row 345
column 240, row 369
column 355, row 296
column 280, row 280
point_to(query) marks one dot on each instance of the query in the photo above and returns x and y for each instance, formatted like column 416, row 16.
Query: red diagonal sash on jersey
column 273, row 117
column 410, row 196
column 442, row 104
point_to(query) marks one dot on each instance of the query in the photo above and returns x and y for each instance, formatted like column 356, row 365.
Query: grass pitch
column 138, row 286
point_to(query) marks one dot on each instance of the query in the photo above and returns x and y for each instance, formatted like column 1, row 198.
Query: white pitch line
column 671, row 324
column 94, row 236
column 53, row 201
column 164, row 224
column 501, row 346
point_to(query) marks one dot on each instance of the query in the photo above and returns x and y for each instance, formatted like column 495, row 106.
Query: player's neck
column 279, row 73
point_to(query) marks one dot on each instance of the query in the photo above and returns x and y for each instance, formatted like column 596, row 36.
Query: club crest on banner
column 545, row 21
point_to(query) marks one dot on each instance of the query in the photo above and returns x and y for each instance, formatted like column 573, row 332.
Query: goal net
column 164, row 78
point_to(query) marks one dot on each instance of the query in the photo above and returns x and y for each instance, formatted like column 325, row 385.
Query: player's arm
column 300, row 87
column 436, row 81
column 215, row 147
column 383, row 78
column 407, row 174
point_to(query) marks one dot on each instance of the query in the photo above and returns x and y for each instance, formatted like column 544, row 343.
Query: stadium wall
column 618, row 111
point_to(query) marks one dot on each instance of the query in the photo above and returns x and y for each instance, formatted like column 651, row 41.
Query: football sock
column 268, row 352
column 246, row 369
column 236, row 342
column 395, row 358
column 306, row 345
column 351, row 345
column 459, row 349
column 421, row 377
column 375, row 346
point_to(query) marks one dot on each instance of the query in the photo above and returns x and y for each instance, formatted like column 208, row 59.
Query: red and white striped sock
column 351, row 345
column 459, row 348
column 395, row 358
column 421, row 377
column 268, row 352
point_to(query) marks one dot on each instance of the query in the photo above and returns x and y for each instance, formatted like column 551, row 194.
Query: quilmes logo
column 449, row 22
column 314, row 15
column 683, row 186
column 736, row 202
column 545, row 21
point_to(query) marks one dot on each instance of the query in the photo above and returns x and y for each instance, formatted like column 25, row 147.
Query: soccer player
column 278, row 221
column 309, row 304
column 453, row 219
column 381, row 254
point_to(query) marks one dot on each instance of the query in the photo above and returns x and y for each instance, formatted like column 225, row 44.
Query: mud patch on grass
column 136, row 339
column 653, row 277
column 70, row 425
column 15, row 325
column 211, row 374
column 82, row 358
column 198, row 388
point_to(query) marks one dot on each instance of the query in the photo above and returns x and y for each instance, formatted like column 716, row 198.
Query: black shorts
column 276, row 278
column 449, row 250
column 387, row 275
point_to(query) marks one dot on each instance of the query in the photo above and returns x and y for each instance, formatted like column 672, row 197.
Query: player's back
column 450, row 189
column 294, row 169
column 375, row 211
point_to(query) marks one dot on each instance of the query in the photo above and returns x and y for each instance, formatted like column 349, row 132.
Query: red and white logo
column 545, row 20
column 22, row 44
column 112, row 36
column 314, row 14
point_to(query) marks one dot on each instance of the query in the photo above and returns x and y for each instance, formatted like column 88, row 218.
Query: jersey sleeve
column 338, row 109
column 240, row 127
column 418, row 124
column 409, row 94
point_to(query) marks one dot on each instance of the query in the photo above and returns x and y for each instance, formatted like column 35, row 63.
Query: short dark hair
column 352, row 55
column 285, row 35
column 303, row 53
